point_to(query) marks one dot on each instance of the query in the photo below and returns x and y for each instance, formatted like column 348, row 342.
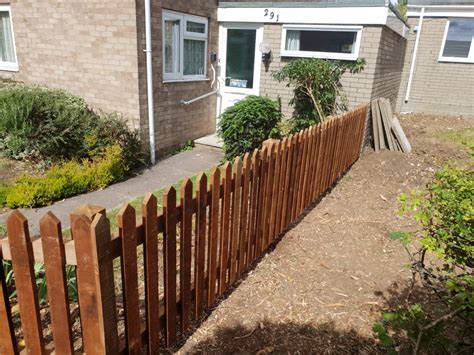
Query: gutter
column 415, row 53
column 149, row 81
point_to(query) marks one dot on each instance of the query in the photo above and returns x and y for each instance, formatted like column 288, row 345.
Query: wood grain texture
column 244, row 214
column 128, row 233
column 252, row 224
column 8, row 344
column 213, row 243
column 235, row 218
column 169, row 212
column 55, row 269
column 200, row 247
column 25, row 282
column 225, row 227
column 151, row 255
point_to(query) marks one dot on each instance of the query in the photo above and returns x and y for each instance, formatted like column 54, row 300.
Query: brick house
column 101, row 50
column 438, row 75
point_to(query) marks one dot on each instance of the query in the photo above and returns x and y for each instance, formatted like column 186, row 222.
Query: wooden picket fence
column 193, row 251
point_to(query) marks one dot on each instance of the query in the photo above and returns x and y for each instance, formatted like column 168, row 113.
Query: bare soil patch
column 328, row 279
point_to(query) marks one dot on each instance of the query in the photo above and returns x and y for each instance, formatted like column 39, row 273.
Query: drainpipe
column 415, row 52
column 149, row 80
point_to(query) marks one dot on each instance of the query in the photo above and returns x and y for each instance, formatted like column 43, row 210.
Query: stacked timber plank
column 387, row 131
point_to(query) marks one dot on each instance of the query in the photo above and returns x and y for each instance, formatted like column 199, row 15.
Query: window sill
column 9, row 67
column 456, row 60
column 171, row 81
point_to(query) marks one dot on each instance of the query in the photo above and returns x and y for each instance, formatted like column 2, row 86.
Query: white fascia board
column 443, row 12
column 330, row 16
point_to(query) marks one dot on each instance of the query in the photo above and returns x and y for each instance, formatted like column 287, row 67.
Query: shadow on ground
column 268, row 337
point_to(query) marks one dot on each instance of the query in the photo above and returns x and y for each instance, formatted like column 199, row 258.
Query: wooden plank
column 401, row 137
column 235, row 219
column 55, row 269
column 213, row 235
column 261, row 202
column 296, row 176
column 378, row 117
column 286, row 193
column 185, row 256
column 387, row 124
column 274, row 193
column 25, row 282
column 252, row 226
column 304, row 172
column 200, row 247
column 95, row 281
column 244, row 214
column 317, row 161
column 305, row 200
column 128, row 233
column 375, row 126
column 225, row 227
column 8, row 344
column 281, row 186
column 151, row 256
column 268, row 198
column 169, row 211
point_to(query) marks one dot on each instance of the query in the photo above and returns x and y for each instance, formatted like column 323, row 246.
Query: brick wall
column 437, row 87
column 175, row 123
column 383, row 50
column 86, row 47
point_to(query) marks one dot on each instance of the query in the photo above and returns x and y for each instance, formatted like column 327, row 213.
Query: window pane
column 7, row 53
column 320, row 41
column 195, row 27
column 194, row 57
column 459, row 38
column 240, row 58
column 172, row 35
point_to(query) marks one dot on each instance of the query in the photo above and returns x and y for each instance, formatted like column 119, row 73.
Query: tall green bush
column 317, row 88
column 246, row 125
column 442, row 259
column 51, row 125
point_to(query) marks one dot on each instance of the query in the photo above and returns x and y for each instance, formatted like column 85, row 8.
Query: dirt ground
column 328, row 279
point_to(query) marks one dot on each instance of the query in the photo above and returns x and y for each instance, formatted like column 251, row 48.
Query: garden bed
column 332, row 275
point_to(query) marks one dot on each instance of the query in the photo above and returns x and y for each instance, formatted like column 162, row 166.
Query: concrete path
column 164, row 173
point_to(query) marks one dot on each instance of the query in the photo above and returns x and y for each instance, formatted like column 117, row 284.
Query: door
column 239, row 62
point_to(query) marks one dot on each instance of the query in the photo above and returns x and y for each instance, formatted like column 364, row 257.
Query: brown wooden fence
column 192, row 251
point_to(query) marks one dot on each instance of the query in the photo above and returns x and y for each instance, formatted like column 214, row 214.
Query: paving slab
column 166, row 172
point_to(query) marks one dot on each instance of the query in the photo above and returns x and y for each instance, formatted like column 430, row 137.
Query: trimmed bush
column 53, row 125
column 246, row 125
column 68, row 179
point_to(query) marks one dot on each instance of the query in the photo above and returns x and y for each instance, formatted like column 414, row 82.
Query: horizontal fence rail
column 143, row 289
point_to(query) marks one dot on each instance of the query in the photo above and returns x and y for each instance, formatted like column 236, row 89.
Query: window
column 7, row 41
column 184, row 46
column 458, row 43
column 332, row 42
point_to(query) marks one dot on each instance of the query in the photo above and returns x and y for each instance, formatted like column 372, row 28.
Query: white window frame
column 184, row 34
column 9, row 66
column 441, row 58
column 324, row 55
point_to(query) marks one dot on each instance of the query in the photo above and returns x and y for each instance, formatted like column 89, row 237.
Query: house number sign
column 271, row 15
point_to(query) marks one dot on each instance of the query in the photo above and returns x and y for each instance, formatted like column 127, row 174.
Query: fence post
column 95, row 281
column 7, row 333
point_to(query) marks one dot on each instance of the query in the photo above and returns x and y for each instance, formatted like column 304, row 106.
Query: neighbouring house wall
column 175, row 123
column 437, row 87
column 87, row 48
column 383, row 51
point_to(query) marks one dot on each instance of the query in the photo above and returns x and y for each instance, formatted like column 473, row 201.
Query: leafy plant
column 317, row 87
column 442, row 258
column 246, row 125
column 40, row 278
column 48, row 124
column 68, row 179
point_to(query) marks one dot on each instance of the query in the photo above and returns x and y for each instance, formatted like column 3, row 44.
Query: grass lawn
column 463, row 137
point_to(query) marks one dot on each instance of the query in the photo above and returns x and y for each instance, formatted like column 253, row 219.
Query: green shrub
column 4, row 190
column 246, row 125
column 53, row 125
column 317, row 88
column 68, row 179
column 442, row 259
